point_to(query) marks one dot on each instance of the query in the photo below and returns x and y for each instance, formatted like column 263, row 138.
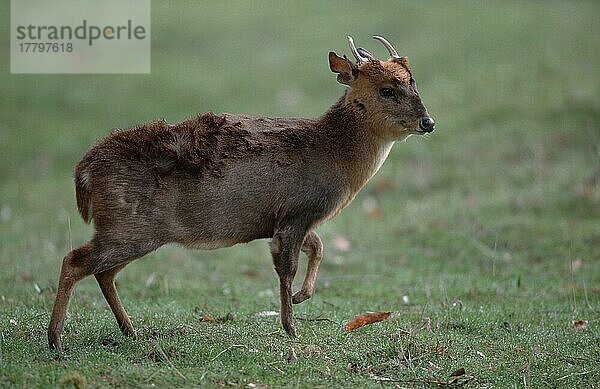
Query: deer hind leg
column 285, row 249
column 104, row 258
column 313, row 248
column 76, row 265
column 106, row 280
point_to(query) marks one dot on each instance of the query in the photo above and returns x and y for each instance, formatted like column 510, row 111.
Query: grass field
column 483, row 239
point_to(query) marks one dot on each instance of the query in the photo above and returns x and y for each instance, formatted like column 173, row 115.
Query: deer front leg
column 313, row 248
column 285, row 249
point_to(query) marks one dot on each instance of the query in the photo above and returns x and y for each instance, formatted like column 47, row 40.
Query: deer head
column 383, row 93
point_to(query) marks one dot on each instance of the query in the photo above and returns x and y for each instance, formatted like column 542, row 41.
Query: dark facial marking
column 361, row 107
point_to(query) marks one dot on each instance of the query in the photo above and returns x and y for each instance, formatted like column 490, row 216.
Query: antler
column 388, row 46
column 359, row 58
column 365, row 53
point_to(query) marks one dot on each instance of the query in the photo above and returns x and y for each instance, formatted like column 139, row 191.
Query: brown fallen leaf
column 580, row 325
column 376, row 213
column 25, row 276
column 439, row 349
column 310, row 350
column 458, row 372
column 383, row 185
column 366, row 318
column 371, row 205
column 251, row 274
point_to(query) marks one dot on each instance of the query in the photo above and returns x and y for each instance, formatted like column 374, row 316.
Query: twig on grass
column 351, row 277
column 272, row 365
column 574, row 374
column 69, row 227
column 227, row 349
column 572, row 277
column 151, row 376
column 455, row 382
column 271, row 333
column 572, row 359
column 29, row 319
column 1, row 347
column 318, row 318
column 484, row 249
column 164, row 355
column 587, row 301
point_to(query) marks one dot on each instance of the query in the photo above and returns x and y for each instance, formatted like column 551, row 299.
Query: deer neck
column 359, row 149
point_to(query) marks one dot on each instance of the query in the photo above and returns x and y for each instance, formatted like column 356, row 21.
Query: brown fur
column 388, row 70
column 217, row 180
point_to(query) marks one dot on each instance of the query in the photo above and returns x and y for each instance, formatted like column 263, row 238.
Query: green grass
column 488, row 227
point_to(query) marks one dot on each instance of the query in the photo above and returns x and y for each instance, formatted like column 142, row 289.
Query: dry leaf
column 371, row 205
column 341, row 243
column 376, row 213
column 580, row 325
column 251, row 274
column 367, row 318
column 427, row 323
column 439, row 349
column 207, row 318
column 311, row 350
column 25, row 276
column 458, row 372
column 383, row 185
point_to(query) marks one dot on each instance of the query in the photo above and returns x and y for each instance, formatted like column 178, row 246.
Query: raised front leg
column 313, row 248
column 285, row 249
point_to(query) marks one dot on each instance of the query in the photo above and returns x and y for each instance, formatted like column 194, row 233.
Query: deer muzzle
column 426, row 124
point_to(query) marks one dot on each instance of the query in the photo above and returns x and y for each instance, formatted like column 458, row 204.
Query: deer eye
column 387, row 92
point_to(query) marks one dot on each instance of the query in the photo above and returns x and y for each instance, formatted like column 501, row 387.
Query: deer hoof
column 130, row 332
column 54, row 342
column 300, row 296
column 290, row 328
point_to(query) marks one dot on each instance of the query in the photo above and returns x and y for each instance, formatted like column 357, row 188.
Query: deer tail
column 83, row 191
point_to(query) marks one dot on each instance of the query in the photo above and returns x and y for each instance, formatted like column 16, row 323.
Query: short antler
column 388, row 46
column 366, row 54
column 359, row 57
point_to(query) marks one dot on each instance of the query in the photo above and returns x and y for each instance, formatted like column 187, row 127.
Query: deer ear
column 343, row 67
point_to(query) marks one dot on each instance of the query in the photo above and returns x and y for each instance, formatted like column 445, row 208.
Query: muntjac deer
column 217, row 180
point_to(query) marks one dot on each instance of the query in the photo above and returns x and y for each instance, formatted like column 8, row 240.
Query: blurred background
column 505, row 190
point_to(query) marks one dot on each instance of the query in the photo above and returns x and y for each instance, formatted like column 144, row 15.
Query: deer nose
column 426, row 124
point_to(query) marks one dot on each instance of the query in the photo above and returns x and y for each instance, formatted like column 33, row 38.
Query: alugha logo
column 90, row 33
